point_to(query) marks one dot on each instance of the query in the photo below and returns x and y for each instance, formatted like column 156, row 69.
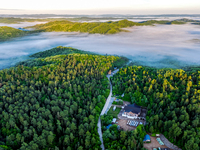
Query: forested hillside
column 172, row 98
column 95, row 27
column 56, row 105
column 9, row 32
column 60, row 50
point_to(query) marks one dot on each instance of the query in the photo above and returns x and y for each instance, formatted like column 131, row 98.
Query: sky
column 100, row 7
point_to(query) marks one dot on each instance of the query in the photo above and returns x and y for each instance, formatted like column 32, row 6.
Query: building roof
column 108, row 126
column 147, row 137
column 132, row 108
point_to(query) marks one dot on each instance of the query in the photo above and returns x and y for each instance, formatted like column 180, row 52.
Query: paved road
column 105, row 109
column 168, row 143
column 100, row 134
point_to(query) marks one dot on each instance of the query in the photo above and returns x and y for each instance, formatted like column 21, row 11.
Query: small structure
column 118, row 127
column 147, row 138
column 123, row 95
column 157, row 135
column 108, row 127
column 114, row 108
column 109, row 72
column 116, row 100
column 159, row 141
column 131, row 111
column 165, row 148
column 114, row 120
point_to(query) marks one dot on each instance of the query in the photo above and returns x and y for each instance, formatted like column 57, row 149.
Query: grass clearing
column 154, row 134
column 114, row 113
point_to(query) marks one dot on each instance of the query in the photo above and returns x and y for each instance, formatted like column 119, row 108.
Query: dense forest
column 117, row 139
column 7, row 33
column 109, row 27
column 60, row 50
column 56, row 105
column 172, row 97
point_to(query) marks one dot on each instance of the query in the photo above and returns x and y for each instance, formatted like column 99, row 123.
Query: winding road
column 106, row 106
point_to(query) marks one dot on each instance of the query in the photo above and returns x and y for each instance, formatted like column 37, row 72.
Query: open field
column 114, row 113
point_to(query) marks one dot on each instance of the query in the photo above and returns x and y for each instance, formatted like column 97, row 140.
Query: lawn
column 114, row 113
column 154, row 134
column 118, row 103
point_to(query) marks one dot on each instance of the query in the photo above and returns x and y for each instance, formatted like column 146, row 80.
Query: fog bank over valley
column 22, row 24
column 159, row 46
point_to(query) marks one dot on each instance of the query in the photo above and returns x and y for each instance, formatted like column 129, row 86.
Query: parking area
column 129, row 124
column 123, row 124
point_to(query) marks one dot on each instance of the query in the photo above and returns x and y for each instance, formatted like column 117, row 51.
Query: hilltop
column 7, row 33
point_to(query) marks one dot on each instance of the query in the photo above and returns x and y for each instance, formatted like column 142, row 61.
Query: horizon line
column 105, row 14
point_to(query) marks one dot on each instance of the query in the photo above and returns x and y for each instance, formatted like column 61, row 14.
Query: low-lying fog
column 21, row 25
column 159, row 46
